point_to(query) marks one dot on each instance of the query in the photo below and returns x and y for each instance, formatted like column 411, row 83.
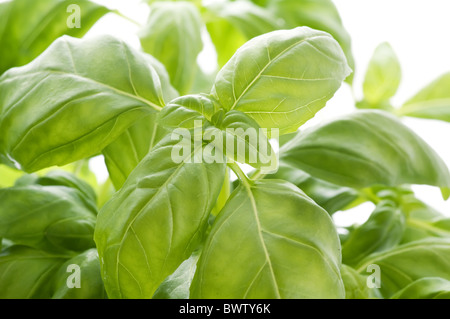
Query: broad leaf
column 407, row 263
column 432, row 102
column 382, row 231
column 156, row 220
column 316, row 14
column 28, row 27
column 382, row 77
column 47, row 217
column 173, row 36
column 8, row 176
column 366, row 148
column 103, row 88
column 426, row 288
column 282, row 78
column 27, row 272
column 270, row 241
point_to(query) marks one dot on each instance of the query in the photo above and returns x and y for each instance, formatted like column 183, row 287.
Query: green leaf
column 282, row 78
column 355, row 284
column 173, row 36
column 47, row 217
column 329, row 196
column 63, row 178
column 125, row 153
column 383, row 76
column 231, row 24
column 91, row 284
column 156, row 220
column 103, row 88
column 316, row 14
column 432, row 102
column 425, row 288
column 28, row 27
column 407, row 263
column 176, row 286
column 27, row 272
column 382, row 231
column 270, row 241
column 366, row 148
column 233, row 134
column 182, row 112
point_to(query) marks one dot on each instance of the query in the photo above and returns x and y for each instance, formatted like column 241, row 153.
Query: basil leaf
column 47, row 217
column 91, row 284
column 270, row 241
column 407, row 263
column 329, row 196
column 382, row 231
column 35, row 269
column 316, row 14
column 366, row 148
column 184, row 111
column 233, row 132
column 268, row 81
column 62, row 178
column 432, row 102
column 383, row 76
column 156, row 220
column 173, row 36
column 28, row 27
column 231, row 24
column 176, row 286
column 40, row 128
column 425, row 288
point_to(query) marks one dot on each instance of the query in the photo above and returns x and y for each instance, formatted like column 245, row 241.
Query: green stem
column 240, row 174
column 257, row 175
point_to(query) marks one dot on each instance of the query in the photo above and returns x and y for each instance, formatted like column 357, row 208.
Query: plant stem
column 240, row 174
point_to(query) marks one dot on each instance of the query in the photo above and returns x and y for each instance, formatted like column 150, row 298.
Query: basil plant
column 198, row 202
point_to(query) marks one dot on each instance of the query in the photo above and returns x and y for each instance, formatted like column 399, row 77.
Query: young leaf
column 103, row 87
column 28, row 27
column 425, row 288
column 156, row 220
column 366, row 148
column 281, row 79
column 27, row 272
column 316, row 14
column 47, row 217
column 233, row 134
column 432, row 102
column 91, row 284
column 382, row 77
column 173, row 36
column 382, row 231
column 404, row 264
column 270, row 241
